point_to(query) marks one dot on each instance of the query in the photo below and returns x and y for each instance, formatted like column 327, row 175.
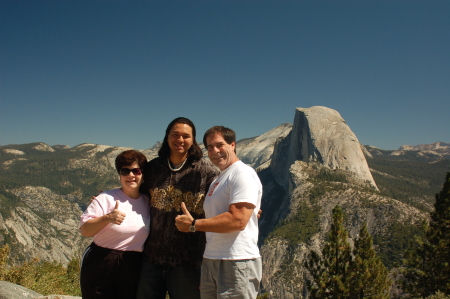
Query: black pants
column 180, row 282
column 109, row 273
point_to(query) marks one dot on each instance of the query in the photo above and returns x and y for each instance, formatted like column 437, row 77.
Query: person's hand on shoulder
column 93, row 197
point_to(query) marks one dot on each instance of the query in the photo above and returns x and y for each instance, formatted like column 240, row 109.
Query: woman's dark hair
column 194, row 153
column 127, row 158
column 228, row 135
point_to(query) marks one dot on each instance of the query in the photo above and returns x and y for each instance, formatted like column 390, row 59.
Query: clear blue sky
column 117, row 72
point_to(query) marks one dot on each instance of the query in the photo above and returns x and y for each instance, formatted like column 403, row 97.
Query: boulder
column 9, row 290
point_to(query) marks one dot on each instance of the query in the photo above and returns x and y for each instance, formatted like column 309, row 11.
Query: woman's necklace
column 176, row 169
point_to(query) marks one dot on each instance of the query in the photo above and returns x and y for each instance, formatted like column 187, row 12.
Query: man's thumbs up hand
column 185, row 211
column 183, row 222
column 116, row 216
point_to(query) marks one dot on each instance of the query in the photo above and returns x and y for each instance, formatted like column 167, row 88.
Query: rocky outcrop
column 60, row 146
column 426, row 147
column 14, row 152
column 152, row 152
column 320, row 134
column 10, row 290
column 257, row 152
column 101, row 158
column 440, row 149
column 45, row 226
column 43, row 147
column 97, row 157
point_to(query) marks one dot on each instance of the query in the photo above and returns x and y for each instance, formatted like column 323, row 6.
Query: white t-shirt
column 131, row 234
column 237, row 183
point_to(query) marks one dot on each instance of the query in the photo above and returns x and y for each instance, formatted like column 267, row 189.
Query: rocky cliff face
column 44, row 227
column 257, row 152
column 320, row 134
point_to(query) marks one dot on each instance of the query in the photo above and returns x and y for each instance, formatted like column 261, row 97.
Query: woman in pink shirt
column 119, row 221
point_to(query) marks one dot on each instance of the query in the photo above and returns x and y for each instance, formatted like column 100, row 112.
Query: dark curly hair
column 194, row 153
column 127, row 158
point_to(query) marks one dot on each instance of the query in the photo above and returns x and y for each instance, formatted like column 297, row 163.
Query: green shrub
column 43, row 277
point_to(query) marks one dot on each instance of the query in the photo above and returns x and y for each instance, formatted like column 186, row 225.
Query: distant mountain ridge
column 249, row 148
column 426, row 147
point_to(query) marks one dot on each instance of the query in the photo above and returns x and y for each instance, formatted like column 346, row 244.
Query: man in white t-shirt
column 231, row 262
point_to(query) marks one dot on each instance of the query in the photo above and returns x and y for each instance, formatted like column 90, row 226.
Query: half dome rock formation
column 320, row 134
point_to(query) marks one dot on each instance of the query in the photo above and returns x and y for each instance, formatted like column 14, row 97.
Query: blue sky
column 117, row 72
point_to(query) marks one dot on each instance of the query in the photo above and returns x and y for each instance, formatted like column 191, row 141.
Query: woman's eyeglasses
column 126, row 171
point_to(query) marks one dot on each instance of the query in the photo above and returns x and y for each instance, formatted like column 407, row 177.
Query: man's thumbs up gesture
column 116, row 216
column 183, row 222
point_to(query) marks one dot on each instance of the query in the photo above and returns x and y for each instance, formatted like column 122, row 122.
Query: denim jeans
column 180, row 282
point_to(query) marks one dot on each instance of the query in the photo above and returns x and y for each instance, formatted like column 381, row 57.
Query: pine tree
column 329, row 271
column 427, row 262
column 335, row 274
column 367, row 275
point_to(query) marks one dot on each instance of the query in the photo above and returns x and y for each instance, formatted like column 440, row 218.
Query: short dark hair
column 127, row 158
column 194, row 153
column 228, row 135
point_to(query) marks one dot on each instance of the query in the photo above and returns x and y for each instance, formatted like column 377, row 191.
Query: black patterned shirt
column 166, row 245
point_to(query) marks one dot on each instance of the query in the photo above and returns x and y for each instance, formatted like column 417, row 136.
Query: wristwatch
column 192, row 227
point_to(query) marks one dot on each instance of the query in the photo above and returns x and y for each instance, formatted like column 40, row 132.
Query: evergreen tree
column 427, row 262
column 330, row 271
column 367, row 275
column 335, row 274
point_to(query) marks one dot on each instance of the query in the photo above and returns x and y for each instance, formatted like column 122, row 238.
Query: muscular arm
column 238, row 215
column 235, row 219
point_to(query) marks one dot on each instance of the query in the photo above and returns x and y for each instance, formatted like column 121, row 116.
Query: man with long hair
column 172, row 259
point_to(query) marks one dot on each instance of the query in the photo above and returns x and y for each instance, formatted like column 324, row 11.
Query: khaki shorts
column 230, row 278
